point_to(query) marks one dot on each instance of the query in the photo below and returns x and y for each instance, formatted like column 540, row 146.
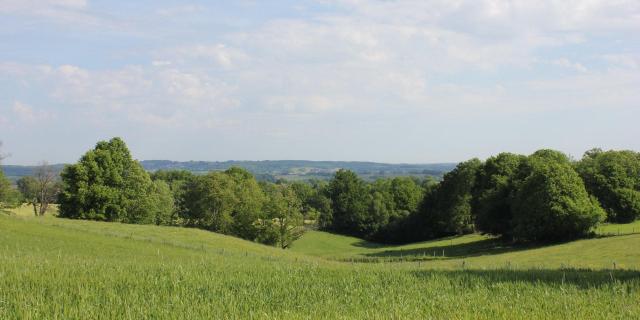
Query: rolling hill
column 58, row 268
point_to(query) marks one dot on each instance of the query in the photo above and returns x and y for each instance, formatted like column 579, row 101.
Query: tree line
column 542, row 197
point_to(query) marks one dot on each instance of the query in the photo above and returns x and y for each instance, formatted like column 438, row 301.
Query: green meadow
column 52, row 268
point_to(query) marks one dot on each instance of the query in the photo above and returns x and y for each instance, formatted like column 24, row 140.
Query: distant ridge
column 277, row 169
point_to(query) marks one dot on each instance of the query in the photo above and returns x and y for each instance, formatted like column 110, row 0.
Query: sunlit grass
column 56, row 268
column 26, row 210
column 618, row 229
column 479, row 251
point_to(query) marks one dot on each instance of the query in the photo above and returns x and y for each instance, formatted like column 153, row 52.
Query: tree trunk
column 43, row 208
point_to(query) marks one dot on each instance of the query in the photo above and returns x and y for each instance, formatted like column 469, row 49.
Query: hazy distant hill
column 14, row 172
column 276, row 169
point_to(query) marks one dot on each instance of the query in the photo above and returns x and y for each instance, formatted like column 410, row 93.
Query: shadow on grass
column 461, row 250
column 613, row 235
column 370, row 244
column 579, row 278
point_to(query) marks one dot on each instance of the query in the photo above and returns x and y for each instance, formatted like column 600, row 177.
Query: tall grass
column 62, row 269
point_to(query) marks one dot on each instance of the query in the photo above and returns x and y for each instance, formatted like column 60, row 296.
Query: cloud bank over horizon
column 387, row 81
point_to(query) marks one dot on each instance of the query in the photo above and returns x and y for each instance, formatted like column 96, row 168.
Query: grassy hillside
column 478, row 251
column 55, row 268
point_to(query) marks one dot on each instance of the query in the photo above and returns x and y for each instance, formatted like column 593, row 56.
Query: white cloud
column 479, row 16
column 359, row 61
column 564, row 62
column 143, row 94
column 219, row 55
column 28, row 114
column 65, row 12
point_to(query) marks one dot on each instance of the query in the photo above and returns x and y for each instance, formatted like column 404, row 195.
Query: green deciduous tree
column 614, row 178
column 551, row 203
column 28, row 187
column 447, row 209
column 283, row 222
column 494, row 189
column 349, row 199
column 107, row 184
column 249, row 200
column 407, row 195
column 9, row 196
column 229, row 202
column 164, row 204
column 207, row 202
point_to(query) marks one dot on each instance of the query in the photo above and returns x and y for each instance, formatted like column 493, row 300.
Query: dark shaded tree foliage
column 447, row 209
column 370, row 210
column 348, row 194
column 494, row 192
column 539, row 198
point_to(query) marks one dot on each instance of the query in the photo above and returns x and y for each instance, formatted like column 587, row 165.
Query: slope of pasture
column 53, row 268
column 478, row 251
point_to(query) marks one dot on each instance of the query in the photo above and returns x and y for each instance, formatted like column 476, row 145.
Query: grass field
column 54, row 268
column 478, row 251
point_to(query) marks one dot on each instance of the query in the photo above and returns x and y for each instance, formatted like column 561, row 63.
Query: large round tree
column 614, row 178
column 107, row 184
column 551, row 203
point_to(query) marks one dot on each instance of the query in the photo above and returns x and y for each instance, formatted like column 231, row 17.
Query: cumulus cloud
column 142, row 94
column 27, row 114
column 360, row 61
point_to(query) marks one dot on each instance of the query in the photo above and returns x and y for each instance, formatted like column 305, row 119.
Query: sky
column 410, row 81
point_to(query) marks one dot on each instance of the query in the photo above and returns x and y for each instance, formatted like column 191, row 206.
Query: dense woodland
column 543, row 197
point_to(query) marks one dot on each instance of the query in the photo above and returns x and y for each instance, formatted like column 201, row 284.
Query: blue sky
column 391, row 81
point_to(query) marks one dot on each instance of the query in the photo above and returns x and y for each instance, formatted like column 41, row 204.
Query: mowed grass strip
column 62, row 269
